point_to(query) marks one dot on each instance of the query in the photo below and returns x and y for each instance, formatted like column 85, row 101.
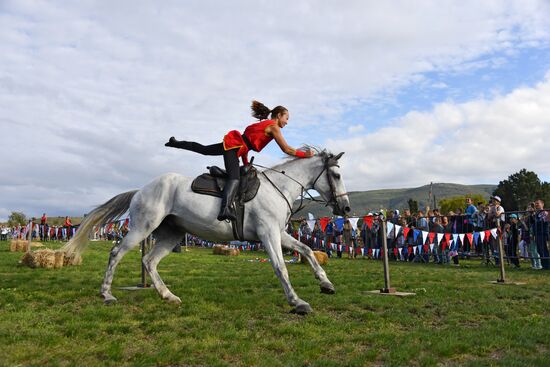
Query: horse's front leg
column 272, row 243
column 290, row 242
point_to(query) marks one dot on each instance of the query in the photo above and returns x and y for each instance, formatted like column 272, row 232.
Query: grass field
column 234, row 314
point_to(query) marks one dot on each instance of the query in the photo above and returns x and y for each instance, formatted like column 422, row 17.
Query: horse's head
column 330, row 184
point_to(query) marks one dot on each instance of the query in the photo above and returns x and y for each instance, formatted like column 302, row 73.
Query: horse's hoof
column 173, row 299
column 302, row 309
column 109, row 301
column 327, row 288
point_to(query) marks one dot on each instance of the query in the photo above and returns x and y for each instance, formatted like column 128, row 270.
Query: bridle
column 328, row 161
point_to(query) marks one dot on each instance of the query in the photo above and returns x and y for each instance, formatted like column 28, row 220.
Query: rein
column 332, row 201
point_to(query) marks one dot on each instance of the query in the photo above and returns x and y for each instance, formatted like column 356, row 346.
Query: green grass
column 234, row 313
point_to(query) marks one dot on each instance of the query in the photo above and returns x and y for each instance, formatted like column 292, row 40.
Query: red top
column 43, row 219
column 68, row 222
column 256, row 135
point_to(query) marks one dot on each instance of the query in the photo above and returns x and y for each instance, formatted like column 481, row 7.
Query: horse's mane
column 317, row 152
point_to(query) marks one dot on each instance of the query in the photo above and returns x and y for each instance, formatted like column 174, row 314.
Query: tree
column 520, row 189
column 17, row 218
column 413, row 205
column 459, row 202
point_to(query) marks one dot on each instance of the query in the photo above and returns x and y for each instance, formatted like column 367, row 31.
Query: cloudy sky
column 413, row 92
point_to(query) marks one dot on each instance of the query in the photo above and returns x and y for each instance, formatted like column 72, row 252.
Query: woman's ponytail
column 259, row 110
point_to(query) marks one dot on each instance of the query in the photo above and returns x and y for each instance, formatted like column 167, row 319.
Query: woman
column 234, row 145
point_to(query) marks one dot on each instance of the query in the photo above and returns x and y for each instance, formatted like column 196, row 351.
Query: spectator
column 541, row 233
column 68, row 227
column 347, row 237
column 512, row 240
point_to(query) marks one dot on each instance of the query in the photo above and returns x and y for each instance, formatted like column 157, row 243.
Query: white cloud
column 90, row 91
column 480, row 141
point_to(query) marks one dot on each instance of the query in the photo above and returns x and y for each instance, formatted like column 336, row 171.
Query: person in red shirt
column 234, row 145
column 68, row 226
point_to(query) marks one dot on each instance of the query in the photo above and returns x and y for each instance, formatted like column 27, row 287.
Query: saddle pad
column 208, row 185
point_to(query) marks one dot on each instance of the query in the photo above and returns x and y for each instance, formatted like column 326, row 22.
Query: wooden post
column 29, row 231
column 502, row 278
column 143, row 271
column 387, row 288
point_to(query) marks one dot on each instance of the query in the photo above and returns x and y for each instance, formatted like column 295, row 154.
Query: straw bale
column 322, row 257
column 29, row 260
column 13, row 245
column 217, row 249
column 72, row 260
column 59, row 259
column 45, row 258
column 232, row 252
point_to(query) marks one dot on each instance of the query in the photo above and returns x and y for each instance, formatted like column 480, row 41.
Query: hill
column 373, row 200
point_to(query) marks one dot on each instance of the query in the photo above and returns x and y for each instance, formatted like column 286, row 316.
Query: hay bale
column 231, row 252
column 59, row 259
column 71, row 260
column 29, row 260
column 36, row 244
column 45, row 258
column 322, row 257
column 218, row 249
column 22, row 245
column 13, row 245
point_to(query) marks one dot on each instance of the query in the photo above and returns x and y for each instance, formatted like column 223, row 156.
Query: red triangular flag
column 324, row 221
column 470, row 237
column 368, row 219
column 447, row 237
column 487, row 235
column 406, row 231
column 432, row 236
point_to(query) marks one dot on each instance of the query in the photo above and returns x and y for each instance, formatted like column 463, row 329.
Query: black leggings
column 230, row 158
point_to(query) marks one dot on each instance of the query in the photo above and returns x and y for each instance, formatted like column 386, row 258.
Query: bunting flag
column 440, row 237
column 410, row 250
column 324, row 221
column 432, row 247
column 395, row 251
column 397, row 229
column 455, row 238
column 470, row 237
column 416, row 232
column 390, row 229
column 487, row 235
column 494, row 233
column 476, row 237
column 461, row 236
column 339, row 223
column 406, row 232
column 311, row 224
column 447, row 238
column 482, row 236
column 414, row 250
column 310, row 216
column 353, row 222
column 368, row 220
column 424, row 236
column 432, row 237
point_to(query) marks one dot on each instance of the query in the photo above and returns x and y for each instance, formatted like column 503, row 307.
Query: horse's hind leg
column 131, row 240
column 163, row 246
column 290, row 242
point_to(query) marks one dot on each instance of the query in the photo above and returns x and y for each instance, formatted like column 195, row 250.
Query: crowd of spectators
column 524, row 234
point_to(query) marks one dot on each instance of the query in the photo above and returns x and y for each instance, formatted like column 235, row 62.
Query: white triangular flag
column 310, row 216
column 440, row 237
column 353, row 222
column 424, row 236
column 455, row 237
column 482, row 235
column 494, row 232
column 431, row 247
column 311, row 224
column 461, row 236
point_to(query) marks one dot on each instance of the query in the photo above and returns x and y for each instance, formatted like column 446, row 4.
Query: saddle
column 213, row 182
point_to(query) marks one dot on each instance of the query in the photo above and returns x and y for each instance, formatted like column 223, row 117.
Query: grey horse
column 168, row 208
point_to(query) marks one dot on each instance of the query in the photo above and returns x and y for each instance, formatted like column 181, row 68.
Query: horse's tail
column 105, row 213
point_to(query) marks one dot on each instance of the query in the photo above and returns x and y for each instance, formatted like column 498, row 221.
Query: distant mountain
column 372, row 200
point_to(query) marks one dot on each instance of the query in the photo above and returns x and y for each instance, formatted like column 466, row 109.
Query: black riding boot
column 229, row 192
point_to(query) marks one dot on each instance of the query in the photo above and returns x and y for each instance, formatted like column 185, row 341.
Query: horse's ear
column 339, row 156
